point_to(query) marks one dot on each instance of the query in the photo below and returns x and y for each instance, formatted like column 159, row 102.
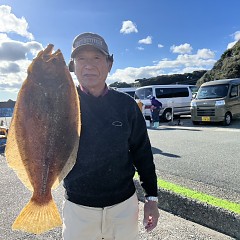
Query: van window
column 234, row 91
column 144, row 93
column 171, row 92
column 213, row 91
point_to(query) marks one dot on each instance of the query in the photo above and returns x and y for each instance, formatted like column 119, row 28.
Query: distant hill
column 228, row 66
column 186, row 78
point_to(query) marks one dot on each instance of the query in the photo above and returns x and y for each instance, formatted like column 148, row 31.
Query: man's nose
column 89, row 63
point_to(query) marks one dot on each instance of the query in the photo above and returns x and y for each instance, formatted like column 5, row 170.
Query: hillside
column 228, row 66
column 186, row 78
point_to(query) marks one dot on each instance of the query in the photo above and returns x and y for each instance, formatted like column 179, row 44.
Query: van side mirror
column 233, row 95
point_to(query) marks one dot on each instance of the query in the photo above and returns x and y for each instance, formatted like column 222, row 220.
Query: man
column 101, row 202
column 155, row 109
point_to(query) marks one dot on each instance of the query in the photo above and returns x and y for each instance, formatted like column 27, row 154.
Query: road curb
column 205, row 214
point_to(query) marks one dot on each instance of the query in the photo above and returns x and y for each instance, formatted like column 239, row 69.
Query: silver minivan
column 130, row 90
column 217, row 101
column 175, row 99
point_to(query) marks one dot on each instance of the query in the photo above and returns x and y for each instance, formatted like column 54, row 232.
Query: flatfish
column 43, row 137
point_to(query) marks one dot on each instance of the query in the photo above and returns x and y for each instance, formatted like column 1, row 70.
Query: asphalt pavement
column 14, row 196
column 204, row 221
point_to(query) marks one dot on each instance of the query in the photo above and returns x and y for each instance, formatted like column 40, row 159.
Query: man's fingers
column 150, row 224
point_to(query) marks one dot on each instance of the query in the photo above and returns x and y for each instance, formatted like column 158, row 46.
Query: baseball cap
column 89, row 39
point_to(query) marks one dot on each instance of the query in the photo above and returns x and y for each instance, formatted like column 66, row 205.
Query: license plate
column 206, row 119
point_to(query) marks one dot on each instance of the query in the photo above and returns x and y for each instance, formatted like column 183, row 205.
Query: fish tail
column 38, row 218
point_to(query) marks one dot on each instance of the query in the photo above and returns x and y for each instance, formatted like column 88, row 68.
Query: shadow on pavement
column 158, row 151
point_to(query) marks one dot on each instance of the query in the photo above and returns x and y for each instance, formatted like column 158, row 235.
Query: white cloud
column 231, row 44
column 3, row 37
column 130, row 74
column 11, row 50
column 9, row 67
column 12, row 80
column 147, row 40
column 15, row 56
column 183, row 48
column 160, row 45
column 203, row 59
column 128, row 27
column 140, row 48
column 236, row 37
column 14, row 63
column 187, row 60
column 205, row 53
column 10, row 23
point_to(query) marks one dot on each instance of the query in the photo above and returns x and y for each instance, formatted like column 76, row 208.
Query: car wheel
column 167, row 115
column 227, row 119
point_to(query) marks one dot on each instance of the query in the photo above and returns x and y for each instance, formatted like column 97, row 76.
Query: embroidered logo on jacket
column 117, row 124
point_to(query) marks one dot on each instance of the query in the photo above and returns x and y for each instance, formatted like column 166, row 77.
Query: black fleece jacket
column 113, row 144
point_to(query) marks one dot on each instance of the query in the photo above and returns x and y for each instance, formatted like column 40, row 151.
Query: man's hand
column 151, row 215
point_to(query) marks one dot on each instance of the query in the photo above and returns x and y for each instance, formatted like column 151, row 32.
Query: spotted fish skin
column 43, row 137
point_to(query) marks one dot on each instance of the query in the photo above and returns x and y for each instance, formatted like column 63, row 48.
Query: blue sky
column 147, row 38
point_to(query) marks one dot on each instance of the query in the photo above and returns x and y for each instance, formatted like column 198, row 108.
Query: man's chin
column 89, row 82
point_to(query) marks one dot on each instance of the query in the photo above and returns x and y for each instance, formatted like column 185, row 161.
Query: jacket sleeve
column 141, row 152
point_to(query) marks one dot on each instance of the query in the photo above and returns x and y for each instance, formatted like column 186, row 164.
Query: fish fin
column 38, row 218
column 13, row 155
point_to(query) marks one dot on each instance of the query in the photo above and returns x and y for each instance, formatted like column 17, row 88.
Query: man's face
column 91, row 68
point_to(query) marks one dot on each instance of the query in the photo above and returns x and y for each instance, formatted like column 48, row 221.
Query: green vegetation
column 186, row 78
column 199, row 196
column 120, row 85
column 202, row 197
column 228, row 66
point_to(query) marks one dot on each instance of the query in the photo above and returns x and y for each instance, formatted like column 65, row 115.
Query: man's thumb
column 145, row 222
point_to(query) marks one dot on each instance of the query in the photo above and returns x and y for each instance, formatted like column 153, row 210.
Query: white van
column 130, row 90
column 175, row 99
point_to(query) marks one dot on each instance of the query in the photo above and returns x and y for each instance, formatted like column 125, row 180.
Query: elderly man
column 101, row 201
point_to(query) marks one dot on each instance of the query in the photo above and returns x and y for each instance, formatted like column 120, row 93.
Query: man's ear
column 110, row 62
column 71, row 66
column 110, row 66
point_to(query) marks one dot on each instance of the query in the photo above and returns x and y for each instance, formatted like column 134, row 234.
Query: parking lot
column 174, row 162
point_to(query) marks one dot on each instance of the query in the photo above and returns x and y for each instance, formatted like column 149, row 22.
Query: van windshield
column 214, row 91
column 144, row 93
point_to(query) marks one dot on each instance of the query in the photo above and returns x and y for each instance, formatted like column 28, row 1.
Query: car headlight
column 193, row 104
column 220, row 103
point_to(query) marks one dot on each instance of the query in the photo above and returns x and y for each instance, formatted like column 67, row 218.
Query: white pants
column 118, row 222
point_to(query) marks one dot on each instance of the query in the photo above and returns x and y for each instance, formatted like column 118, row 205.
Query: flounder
column 43, row 137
